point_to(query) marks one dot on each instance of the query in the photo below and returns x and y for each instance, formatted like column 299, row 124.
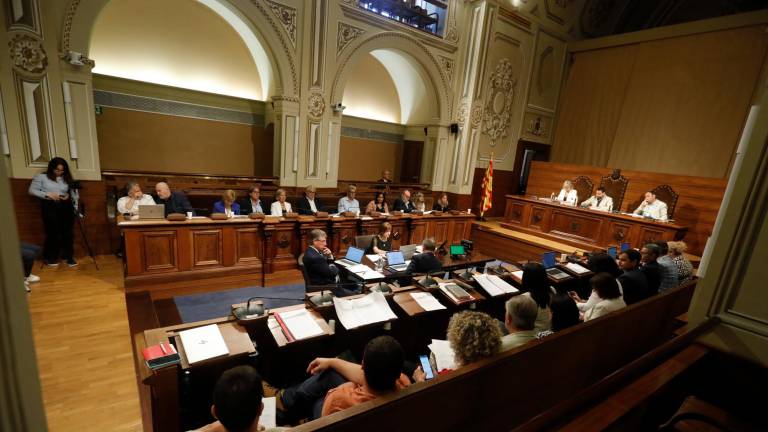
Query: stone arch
column 261, row 22
column 408, row 45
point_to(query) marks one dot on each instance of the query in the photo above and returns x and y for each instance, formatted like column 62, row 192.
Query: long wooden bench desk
column 161, row 251
column 584, row 228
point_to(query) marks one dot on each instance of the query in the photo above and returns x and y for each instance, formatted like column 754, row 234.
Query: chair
column 363, row 241
column 583, row 186
column 615, row 186
column 303, row 271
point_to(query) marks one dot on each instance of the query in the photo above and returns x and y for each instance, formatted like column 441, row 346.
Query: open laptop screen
column 625, row 246
column 548, row 259
column 355, row 254
column 395, row 258
column 457, row 250
column 612, row 251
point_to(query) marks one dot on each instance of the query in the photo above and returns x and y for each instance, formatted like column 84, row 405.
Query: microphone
column 382, row 287
column 467, row 275
column 251, row 310
column 428, row 280
column 326, row 293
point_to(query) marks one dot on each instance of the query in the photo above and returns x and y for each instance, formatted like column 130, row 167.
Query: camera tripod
column 80, row 216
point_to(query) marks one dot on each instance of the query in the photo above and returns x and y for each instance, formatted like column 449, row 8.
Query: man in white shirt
column 349, row 203
column 130, row 204
column 520, row 321
column 652, row 207
column 599, row 201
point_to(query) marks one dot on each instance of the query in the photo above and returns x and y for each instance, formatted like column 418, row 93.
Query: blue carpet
column 200, row 307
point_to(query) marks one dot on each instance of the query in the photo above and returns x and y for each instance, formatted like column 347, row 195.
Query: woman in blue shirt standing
column 52, row 188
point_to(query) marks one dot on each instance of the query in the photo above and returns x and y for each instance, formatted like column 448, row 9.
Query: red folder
column 159, row 350
column 286, row 332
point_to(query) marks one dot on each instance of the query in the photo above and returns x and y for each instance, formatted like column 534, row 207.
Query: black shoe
column 71, row 262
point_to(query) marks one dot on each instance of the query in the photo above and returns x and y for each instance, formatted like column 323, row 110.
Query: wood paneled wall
column 503, row 182
column 365, row 159
column 697, row 205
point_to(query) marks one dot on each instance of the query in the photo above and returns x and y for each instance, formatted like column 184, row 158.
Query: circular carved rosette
column 316, row 105
column 27, row 54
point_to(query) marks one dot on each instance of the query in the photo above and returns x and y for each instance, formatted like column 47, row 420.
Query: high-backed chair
column 303, row 270
column 669, row 196
column 615, row 186
column 584, row 187
column 363, row 241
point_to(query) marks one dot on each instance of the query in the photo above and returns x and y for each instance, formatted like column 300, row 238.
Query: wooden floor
column 80, row 324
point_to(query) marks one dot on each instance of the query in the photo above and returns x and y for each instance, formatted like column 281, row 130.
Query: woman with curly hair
column 473, row 336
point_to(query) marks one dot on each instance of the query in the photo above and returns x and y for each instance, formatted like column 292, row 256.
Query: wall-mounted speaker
column 454, row 128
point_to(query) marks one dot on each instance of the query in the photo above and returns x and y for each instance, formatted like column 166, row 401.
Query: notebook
column 548, row 260
column 202, row 343
column 354, row 256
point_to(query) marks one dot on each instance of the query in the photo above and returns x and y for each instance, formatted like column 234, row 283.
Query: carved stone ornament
column 316, row 104
column 345, row 34
column 447, row 66
column 461, row 116
column 476, row 116
column 501, row 94
column 287, row 16
column 27, row 54
column 452, row 35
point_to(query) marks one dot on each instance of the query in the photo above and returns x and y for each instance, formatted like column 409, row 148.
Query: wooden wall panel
column 364, row 159
column 697, row 205
column 503, row 184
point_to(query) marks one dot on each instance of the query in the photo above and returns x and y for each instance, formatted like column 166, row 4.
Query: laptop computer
column 396, row 261
column 408, row 251
column 625, row 246
column 548, row 260
column 152, row 211
column 612, row 251
column 354, row 256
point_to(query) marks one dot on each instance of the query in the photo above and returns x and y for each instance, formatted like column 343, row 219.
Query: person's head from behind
column 228, row 197
column 406, row 195
column 677, row 248
column 162, row 190
column 603, row 263
column 428, row 245
column 563, row 311
column 605, row 286
column 133, row 190
column 58, row 167
column 600, row 192
column 382, row 363
column 520, row 314
column 649, row 253
column 473, row 336
column 535, row 281
column 650, row 197
column 663, row 248
column 379, row 198
column 237, row 399
column 629, row 259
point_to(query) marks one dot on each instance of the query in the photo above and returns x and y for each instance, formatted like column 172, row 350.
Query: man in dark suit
column 404, row 203
column 252, row 203
column 633, row 281
column 174, row 202
column 651, row 268
column 426, row 261
column 308, row 204
column 318, row 260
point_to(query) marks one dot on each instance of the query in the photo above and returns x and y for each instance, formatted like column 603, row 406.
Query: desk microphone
column 250, row 311
column 467, row 275
column 382, row 287
column 326, row 293
column 428, row 280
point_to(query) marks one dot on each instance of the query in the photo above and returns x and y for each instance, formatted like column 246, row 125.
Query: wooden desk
column 584, row 228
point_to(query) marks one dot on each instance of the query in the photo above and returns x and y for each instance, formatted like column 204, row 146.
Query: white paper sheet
column 576, row 268
column 202, row 343
column 268, row 417
column 427, row 301
column 518, row 274
column 494, row 285
column 371, row 274
column 374, row 257
column 361, row 311
column 366, row 218
column 300, row 323
column 444, row 358
column 358, row 268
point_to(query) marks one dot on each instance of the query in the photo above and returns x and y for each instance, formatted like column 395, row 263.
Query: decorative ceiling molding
column 285, row 45
column 501, row 95
column 68, row 18
column 447, row 67
column 287, row 16
column 27, row 54
column 346, row 33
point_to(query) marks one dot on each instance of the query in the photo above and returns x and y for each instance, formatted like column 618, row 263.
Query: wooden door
column 410, row 165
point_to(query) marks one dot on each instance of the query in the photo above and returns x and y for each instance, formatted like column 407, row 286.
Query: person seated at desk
column 668, row 267
column 349, row 203
column 684, row 267
column 174, row 201
column 237, row 403
column 227, row 204
column 337, row 384
column 252, row 204
column 652, row 208
column 473, row 336
column 563, row 313
column 442, row 203
column 380, row 243
column 377, row 204
column 308, row 204
column 318, row 260
column 608, row 293
column 418, row 202
column 633, row 281
column 535, row 285
column 130, row 203
column 598, row 263
column 404, row 203
column 650, row 267
column 599, row 201
column 426, row 261
column 520, row 316
column 385, row 177
column 280, row 206
column 568, row 194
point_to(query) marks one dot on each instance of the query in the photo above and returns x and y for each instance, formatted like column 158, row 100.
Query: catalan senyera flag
column 487, row 188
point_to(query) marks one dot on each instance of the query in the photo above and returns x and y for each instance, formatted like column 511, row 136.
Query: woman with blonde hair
column 227, row 204
column 473, row 336
column 280, row 206
column 684, row 267
column 568, row 194
column 418, row 202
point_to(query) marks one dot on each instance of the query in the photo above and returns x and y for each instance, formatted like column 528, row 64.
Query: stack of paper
column 443, row 353
column 299, row 323
column 374, row 257
column 370, row 274
column 427, row 301
column 494, row 285
column 361, row 311
column 202, row 343
column 357, row 268
column 576, row 268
